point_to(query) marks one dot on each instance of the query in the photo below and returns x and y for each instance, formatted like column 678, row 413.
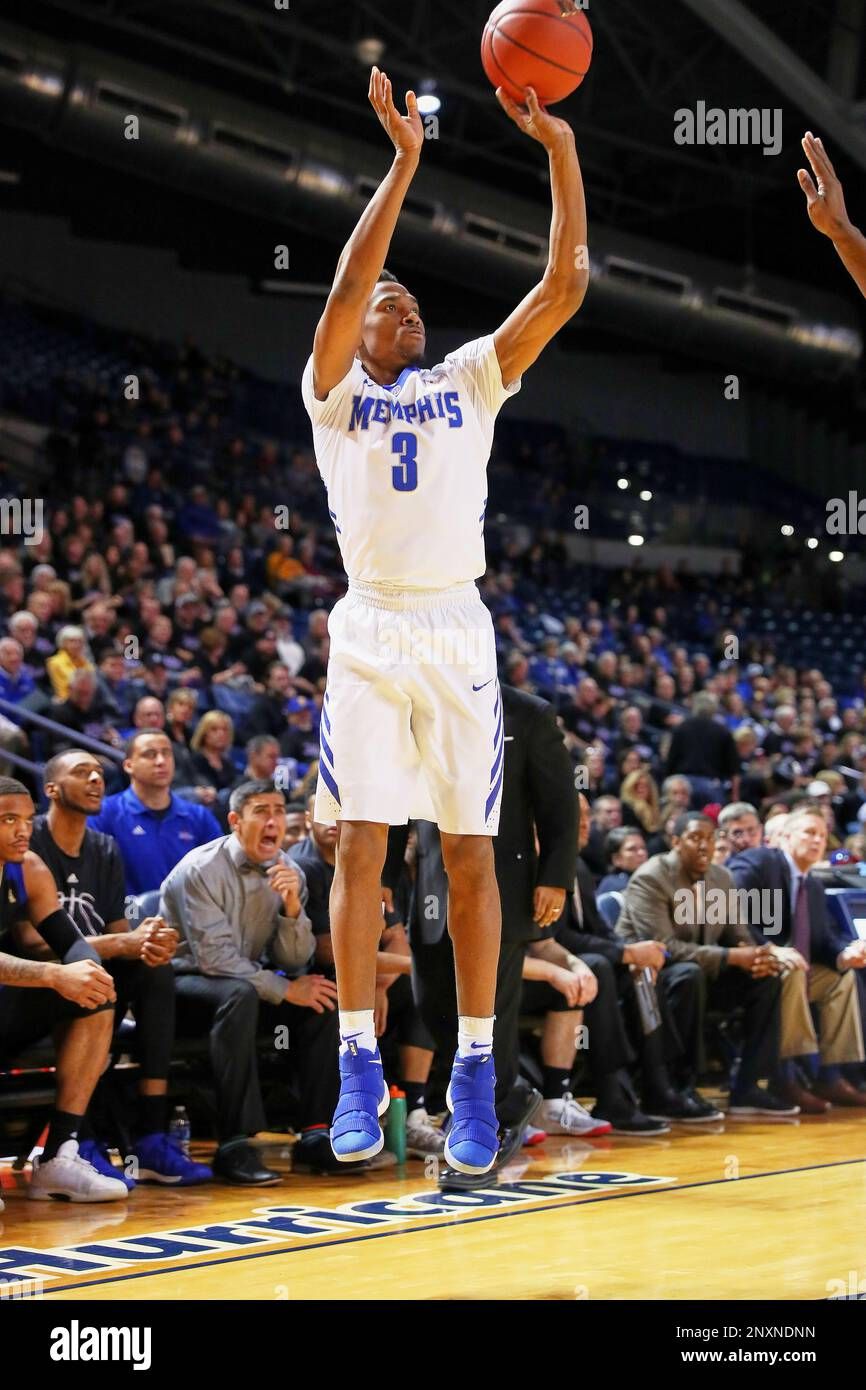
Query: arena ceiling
column 310, row 61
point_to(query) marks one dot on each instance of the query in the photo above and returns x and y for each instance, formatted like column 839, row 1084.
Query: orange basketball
column 545, row 44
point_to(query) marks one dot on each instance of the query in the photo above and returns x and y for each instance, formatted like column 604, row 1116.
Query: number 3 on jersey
column 404, row 474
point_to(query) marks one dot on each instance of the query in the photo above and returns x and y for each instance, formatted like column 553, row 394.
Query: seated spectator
column 211, row 746
column 73, row 1000
column 821, row 965
column 24, row 627
column 269, row 714
column 149, row 713
column 282, row 567
column 633, row 735
column 742, row 826
column 114, row 686
column 296, row 822
column 180, row 711
column 70, row 656
column 263, row 754
column 606, row 816
column 663, row 902
column 84, row 712
column 301, row 739
column 721, row 847
column 211, row 659
column 16, row 682
column 677, row 791
column 625, row 850
column 154, row 827
column 640, row 795
column 88, row 874
column 98, row 622
column 239, row 906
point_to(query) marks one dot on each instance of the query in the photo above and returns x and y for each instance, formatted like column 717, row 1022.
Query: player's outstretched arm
column 359, row 267
column 560, row 293
column 826, row 206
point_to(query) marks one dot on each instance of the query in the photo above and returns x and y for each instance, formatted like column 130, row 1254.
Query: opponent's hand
column 405, row 132
column 826, row 203
column 85, row 983
column 533, row 120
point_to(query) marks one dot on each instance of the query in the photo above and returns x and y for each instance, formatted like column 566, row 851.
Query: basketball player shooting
column 406, row 732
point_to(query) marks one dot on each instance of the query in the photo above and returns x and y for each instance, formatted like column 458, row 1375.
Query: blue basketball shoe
column 473, row 1138
column 355, row 1130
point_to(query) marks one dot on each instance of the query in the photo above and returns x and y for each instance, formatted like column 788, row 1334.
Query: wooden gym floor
column 765, row 1209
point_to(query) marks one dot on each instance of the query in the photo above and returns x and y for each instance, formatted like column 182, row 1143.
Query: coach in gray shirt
column 238, row 905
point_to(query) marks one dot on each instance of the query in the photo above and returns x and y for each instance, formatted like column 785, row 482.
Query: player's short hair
column 10, row 786
column 387, row 278
column 684, row 820
column 51, row 770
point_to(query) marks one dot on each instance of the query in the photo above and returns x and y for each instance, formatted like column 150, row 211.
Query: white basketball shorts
column 412, row 721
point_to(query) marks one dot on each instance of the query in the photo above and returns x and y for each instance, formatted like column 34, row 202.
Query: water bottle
column 395, row 1126
column 180, row 1129
column 647, row 1002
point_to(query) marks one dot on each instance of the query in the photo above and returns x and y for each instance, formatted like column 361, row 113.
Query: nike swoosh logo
column 488, row 1046
column 486, row 683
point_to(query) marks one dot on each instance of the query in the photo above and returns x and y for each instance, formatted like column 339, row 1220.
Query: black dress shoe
column 313, row 1154
column 510, row 1143
column 633, row 1123
column 683, row 1107
column 238, row 1162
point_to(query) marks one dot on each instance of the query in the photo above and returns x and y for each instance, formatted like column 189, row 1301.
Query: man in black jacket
column 538, row 797
column 821, row 964
column 706, row 753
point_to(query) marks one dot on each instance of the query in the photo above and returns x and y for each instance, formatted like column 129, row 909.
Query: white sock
column 474, row 1036
column 357, row 1026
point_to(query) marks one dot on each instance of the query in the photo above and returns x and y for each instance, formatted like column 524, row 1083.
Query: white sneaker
column 422, row 1136
column 567, row 1116
column 69, row 1178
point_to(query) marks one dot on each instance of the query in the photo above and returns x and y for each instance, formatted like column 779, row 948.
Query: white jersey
column 405, row 467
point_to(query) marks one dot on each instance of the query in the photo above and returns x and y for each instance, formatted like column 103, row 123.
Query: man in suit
column 538, row 797
column 820, row 964
column 582, row 933
column 669, row 898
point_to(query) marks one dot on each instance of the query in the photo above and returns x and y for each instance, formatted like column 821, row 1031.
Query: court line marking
column 439, row 1225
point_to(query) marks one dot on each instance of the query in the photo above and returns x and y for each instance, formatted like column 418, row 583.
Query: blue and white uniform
column 412, row 724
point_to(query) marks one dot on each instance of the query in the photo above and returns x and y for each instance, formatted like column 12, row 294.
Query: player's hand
column 533, row 120
column 287, row 882
column 547, row 905
column 85, row 983
column 405, row 132
column 826, row 203
column 312, row 992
